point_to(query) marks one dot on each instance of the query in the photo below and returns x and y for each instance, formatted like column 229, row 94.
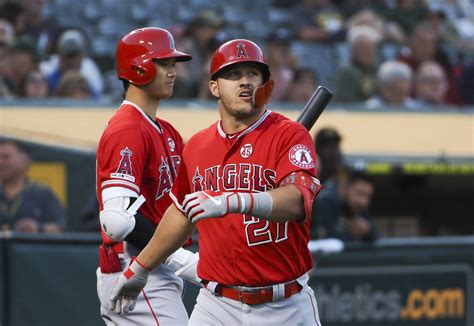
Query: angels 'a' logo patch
column 125, row 165
column 246, row 150
column 300, row 156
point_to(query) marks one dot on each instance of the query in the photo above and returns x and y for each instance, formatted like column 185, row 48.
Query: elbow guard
column 308, row 185
column 116, row 219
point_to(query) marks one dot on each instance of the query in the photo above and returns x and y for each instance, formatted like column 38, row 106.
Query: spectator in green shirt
column 356, row 81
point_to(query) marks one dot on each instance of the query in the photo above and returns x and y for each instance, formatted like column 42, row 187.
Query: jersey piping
column 139, row 109
column 246, row 131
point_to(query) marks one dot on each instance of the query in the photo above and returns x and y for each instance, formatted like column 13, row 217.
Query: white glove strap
column 255, row 204
column 184, row 263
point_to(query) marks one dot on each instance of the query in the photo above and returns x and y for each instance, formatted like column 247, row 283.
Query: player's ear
column 214, row 89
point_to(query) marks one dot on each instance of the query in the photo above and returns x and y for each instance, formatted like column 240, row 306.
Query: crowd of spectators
column 364, row 50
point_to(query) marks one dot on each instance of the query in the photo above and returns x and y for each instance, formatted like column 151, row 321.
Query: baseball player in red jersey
column 247, row 183
column 137, row 162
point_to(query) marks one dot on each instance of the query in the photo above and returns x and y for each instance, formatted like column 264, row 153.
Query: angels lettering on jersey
column 167, row 170
column 234, row 177
column 167, row 175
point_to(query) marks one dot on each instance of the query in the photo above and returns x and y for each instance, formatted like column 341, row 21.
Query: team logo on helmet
column 300, row 156
column 246, row 150
column 241, row 51
column 125, row 166
column 171, row 144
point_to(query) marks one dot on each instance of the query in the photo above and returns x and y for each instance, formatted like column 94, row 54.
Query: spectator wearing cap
column 394, row 80
column 304, row 83
column 72, row 56
column 431, row 85
column 327, row 142
column 22, row 58
column 25, row 206
column 280, row 60
column 200, row 39
column 356, row 81
column 345, row 215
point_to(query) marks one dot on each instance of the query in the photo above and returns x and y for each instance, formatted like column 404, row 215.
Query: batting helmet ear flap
column 262, row 94
column 143, row 73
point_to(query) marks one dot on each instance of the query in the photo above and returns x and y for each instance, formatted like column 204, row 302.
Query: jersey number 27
column 258, row 231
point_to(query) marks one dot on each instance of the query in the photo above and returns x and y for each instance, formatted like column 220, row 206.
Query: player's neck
column 147, row 104
column 232, row 124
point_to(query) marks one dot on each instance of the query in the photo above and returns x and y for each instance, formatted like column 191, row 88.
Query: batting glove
column 208, row 204
column 127, row 287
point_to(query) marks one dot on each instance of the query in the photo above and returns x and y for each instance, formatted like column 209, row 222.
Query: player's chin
column 165, row 93
column 246, row 112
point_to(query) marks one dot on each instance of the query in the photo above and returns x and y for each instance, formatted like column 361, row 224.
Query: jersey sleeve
column 296, row 153
column 121, row 159
column 181, row 186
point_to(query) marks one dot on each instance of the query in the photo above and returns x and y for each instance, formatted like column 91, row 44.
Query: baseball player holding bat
column 247, row 184
column 137, row 162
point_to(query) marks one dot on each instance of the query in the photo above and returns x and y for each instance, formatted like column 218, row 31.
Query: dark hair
column 359, row 175
column 126, row 85
column 20, row 145
column 27, row 78
column 11, row 10
column 326, row 136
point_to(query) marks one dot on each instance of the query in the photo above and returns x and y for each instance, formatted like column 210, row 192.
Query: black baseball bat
column 314, row 107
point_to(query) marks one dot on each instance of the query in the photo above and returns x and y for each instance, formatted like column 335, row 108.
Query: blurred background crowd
column 374, row 54
column 407, row 53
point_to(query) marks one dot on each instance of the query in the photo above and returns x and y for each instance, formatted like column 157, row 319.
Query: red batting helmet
column 242, row 50
column 136, row 50
column 236, row 51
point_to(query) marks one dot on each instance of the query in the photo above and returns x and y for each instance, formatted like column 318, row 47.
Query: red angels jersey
column 238, row 249
column 140, row 154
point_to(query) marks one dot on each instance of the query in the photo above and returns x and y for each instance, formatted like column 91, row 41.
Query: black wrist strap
column 142, row 233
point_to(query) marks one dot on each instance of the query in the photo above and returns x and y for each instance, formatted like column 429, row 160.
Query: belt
column 255, row 296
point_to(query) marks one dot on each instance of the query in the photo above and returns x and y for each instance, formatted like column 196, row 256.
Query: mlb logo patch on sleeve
column 300, row 156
